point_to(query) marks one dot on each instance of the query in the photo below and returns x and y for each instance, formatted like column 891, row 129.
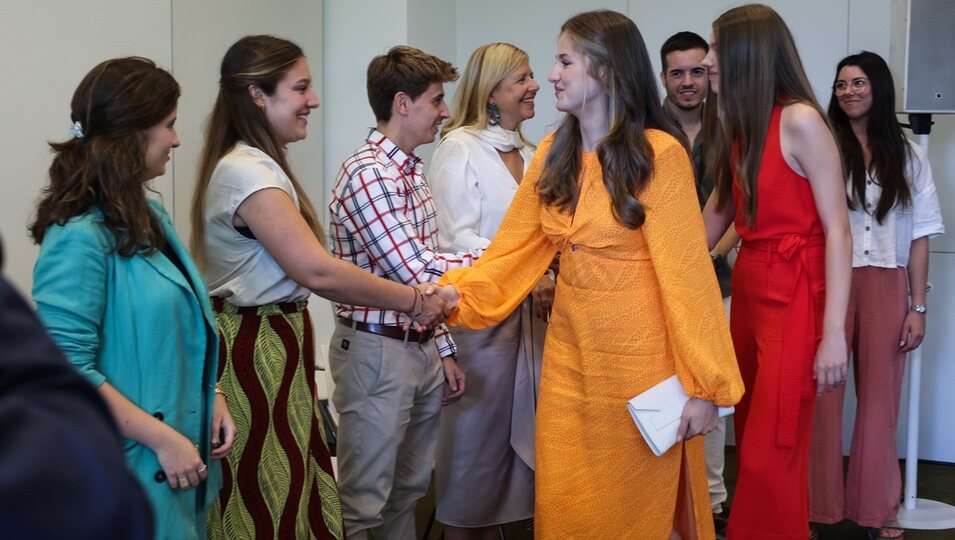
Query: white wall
column 48, row 46
column 825, row 31
column 201, row 34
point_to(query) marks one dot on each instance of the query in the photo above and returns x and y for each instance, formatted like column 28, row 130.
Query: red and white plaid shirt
column 383, row 219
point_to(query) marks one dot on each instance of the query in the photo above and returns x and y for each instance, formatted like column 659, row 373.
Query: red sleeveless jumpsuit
column 776, row 322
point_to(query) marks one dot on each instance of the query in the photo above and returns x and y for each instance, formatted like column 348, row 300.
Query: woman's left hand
column 699, row 418
column 543, row 294
column 913, row 331
column 456, row 379
column 223, row 428
column 831, row 366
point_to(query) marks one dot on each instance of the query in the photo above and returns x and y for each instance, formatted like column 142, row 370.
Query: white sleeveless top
column 238, row 268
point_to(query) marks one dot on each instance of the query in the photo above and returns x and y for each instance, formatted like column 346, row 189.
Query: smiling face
column 514, row 97
column 425, row 115
column 573, row 85
column 712, row 64
column 287, row 109
column 856, row 99
column 159, row 141
column 685, row 78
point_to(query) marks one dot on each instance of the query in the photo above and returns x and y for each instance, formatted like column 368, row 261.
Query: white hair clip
column 76, row 130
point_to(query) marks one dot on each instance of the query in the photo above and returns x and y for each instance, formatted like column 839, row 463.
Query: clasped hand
column 438, row 304
column 699, row 418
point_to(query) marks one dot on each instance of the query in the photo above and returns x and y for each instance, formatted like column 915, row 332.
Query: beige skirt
column 485, row 458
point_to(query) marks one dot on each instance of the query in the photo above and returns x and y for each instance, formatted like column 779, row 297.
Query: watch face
column 918, row 309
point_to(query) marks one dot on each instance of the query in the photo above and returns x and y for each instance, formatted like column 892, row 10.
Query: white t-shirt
column 238, row 268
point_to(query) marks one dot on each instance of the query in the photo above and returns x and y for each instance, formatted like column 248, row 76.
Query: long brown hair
column 888, row 147
column 488, row 66
column 614, row 47
column 253, row 60
column 759, row 66
column 104, row 164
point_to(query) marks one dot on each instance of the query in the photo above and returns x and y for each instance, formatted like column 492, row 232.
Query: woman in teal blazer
column 119, row 293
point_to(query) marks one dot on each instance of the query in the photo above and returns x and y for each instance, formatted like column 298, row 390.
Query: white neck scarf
column 500, row 138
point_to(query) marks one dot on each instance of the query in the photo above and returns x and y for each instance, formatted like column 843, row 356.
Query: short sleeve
column 239, row 175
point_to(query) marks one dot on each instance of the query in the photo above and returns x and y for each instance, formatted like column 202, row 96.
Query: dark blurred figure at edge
column 62, row 471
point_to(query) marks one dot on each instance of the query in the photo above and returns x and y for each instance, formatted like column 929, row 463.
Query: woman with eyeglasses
column 893, row 212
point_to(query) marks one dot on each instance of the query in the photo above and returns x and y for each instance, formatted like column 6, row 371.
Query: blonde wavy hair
column 488, row 66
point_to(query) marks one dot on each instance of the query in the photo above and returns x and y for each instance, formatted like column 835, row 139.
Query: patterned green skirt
column 278, row 480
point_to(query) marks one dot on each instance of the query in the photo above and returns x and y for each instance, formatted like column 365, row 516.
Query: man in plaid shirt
column 390, row 384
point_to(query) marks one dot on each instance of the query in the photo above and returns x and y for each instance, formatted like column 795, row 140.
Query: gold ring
column 183, row 483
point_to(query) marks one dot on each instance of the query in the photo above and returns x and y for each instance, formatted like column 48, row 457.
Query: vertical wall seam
column 172, row 69
column 848, row 26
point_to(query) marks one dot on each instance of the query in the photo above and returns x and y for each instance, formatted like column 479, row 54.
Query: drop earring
column 493, row 114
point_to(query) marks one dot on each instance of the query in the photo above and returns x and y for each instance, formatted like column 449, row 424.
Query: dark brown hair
column 679, row 42
column 759, row 66
column 253, row 60
column 888, row 146
column 403, row 69
column 614, row 47
column 113, row 105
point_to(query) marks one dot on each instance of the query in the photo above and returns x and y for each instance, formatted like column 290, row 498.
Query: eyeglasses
column 859, row 85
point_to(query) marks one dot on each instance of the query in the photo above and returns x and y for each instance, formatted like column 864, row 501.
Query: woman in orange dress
column 636, row 300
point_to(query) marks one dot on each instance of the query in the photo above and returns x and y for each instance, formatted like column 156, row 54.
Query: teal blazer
column 139, row 324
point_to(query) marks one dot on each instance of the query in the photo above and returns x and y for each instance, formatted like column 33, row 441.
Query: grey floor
column 936, row 482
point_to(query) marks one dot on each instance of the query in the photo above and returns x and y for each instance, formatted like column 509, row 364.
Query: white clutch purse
column 657, row 412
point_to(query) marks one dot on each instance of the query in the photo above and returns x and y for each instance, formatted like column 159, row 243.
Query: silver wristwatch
column 919, row 308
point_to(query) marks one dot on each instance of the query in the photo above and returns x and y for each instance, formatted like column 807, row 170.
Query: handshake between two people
column 438, row 303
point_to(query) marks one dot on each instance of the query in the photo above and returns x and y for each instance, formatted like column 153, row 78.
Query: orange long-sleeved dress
column 632, row 308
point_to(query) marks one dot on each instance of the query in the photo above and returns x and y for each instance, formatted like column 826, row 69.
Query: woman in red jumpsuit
column 778, row 175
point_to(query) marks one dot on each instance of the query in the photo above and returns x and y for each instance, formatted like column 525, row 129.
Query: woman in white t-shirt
column 894, row 211
column 484, row 466
column 259, row 243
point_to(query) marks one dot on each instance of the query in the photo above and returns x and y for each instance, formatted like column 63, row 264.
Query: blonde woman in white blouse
column 484, row 465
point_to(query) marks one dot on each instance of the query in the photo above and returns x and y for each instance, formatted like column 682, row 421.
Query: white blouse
column 472, row 187
column 887, row 245
column 238, row 268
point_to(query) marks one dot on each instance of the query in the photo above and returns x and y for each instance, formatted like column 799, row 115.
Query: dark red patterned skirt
column 278, row 480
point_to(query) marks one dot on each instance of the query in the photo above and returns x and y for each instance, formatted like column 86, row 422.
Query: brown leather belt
column 394, row 332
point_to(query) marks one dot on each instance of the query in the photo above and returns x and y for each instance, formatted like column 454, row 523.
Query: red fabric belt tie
column 799, row 332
